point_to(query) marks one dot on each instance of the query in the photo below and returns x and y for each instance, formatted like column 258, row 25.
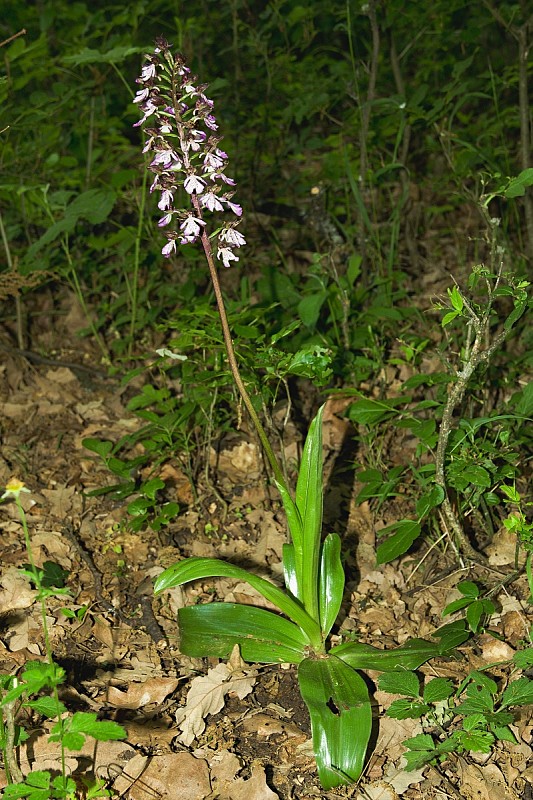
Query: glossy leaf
column 331, row 582
column 408, row 656
column 194, row 568
column 309, row 502
column 341, row 718
column 289, row 569
column 214, row 629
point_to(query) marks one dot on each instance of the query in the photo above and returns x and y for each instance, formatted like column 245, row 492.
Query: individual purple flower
column 147, row 73
column 210, row 200
column 237, row 209
column 141, row 95
column 227, row 255
column 148, row 108
column 169, row 248
column 166, row 200
column 194, row 184
column 192, row 226
column 165, row 220
column 232, row 236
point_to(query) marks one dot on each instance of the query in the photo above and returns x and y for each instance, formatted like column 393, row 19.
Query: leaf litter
column 215, row 730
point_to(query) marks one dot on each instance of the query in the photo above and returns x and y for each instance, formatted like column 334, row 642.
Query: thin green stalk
column 134, row 292
column 232, row 359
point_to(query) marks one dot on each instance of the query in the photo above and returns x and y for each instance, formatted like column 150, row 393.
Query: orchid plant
column 189, row 164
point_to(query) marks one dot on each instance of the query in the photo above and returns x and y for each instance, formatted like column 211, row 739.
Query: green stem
column 136, row 261
column 47, row 645
column 232, row 359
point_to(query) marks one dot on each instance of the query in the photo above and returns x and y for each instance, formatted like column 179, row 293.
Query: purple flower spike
column 185, row 153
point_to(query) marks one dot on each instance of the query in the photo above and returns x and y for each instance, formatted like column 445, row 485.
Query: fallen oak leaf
column 207, row 695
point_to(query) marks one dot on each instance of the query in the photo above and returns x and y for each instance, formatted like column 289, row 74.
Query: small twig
column 12, row 767
column 15, row 36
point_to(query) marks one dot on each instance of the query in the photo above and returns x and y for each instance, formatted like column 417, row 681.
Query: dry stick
column 476, row 356
column 22, row 32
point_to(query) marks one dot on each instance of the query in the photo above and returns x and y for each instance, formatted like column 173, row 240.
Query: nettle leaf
column 400, row 682
column 407, row 709
column 437, row 690
column 47, row 706
column 341, row 718
column 214, row 629
column 518, row 693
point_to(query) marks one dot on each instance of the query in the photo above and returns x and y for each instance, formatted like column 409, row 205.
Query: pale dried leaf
column 154, row 690
column 206, row 696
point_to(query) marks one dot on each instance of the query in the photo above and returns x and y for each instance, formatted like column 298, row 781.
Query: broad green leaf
column 400, row 682
column 331, row 582
column 102, row 447
column 192, row 569
column 407, row 530
column 517, row 186
column 429, row 501
column 474, row 612
column 341, row 718
column 309, row 308
column 370, row 412
column 214, row 629
column 309, row 501
column 289, row 569
column 408, row 656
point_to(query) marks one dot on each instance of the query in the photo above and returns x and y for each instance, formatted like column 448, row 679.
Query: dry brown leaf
column 154, row 690
column 173, row 775
column 483, row 783
column 16, row 592
column 207, row 696
column 255, row 788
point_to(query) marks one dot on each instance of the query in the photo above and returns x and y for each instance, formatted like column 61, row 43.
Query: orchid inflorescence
column 186, row 153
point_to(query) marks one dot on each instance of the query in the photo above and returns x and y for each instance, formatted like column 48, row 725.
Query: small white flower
column 192, row 226
column 231, row 236
column 13, row 489
column 227, row 255
column 193, row 184
column 169, row 248
column 166, row 200
column 211, row 201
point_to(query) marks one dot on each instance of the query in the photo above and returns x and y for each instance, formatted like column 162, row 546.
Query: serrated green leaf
column 407, row 709
column 437, row 690
column 214, row 629
column 341, row 718
column 477, row 741
column 504, row 734
column 47, row 706
column 524, row 658
column 400, row 682
column 194, row 568
column 518, row 693
column 70, row 740
column 331, row 582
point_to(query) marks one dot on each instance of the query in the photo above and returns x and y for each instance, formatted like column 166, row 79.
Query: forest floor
column 248, row 736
